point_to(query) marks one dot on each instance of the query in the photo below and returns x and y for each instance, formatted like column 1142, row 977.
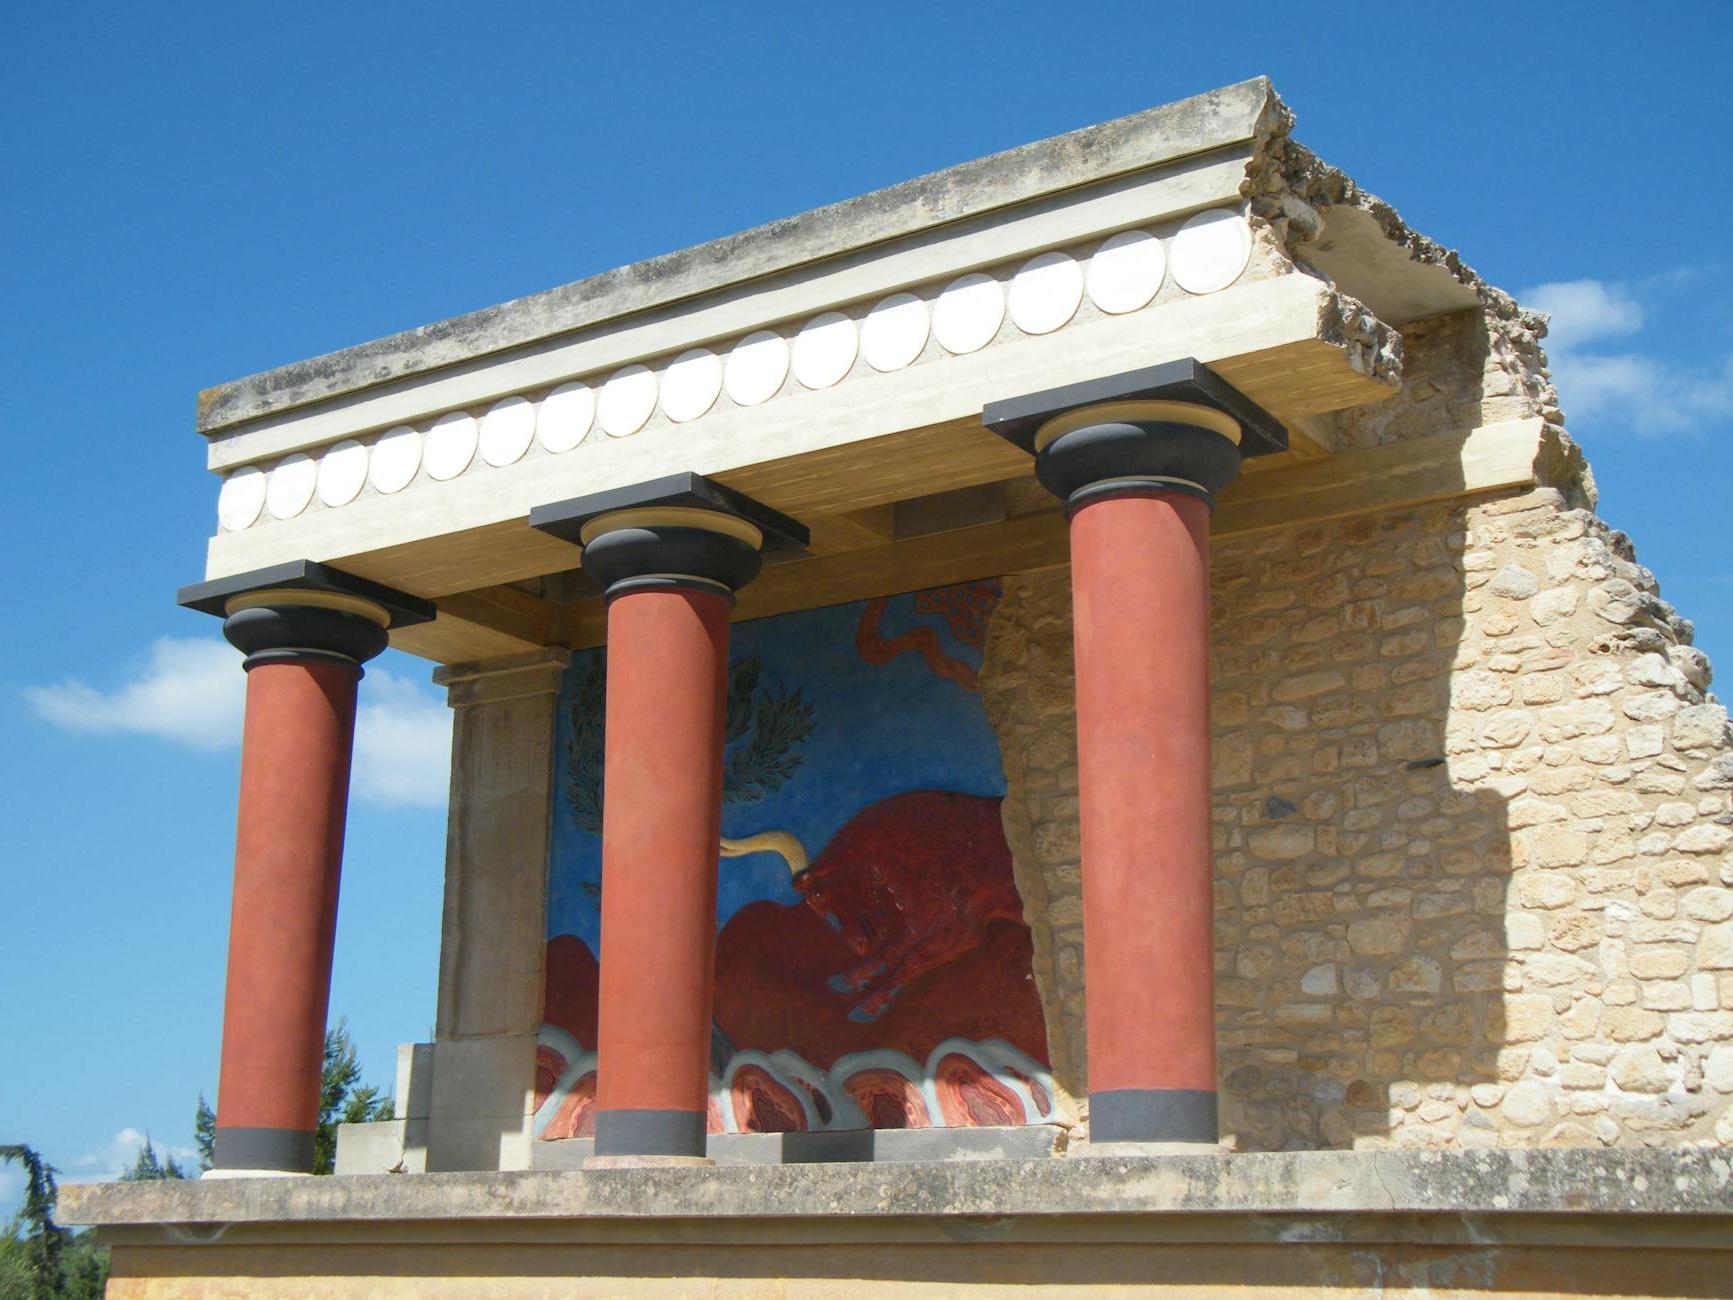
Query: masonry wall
column 1472, row 820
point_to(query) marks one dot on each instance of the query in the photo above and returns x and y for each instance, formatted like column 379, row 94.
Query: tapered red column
column 1140, row 592
column 1138, row 471
column 669, row 556
column 661, row 823
column 304, row 647
column 295, row 752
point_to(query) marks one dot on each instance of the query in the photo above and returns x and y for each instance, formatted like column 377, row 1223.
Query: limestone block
column 389, row 1146
column 1707, row 903
column 1718, row 1069
column 1700, row 726
column 1709, row 837
column 1514, row 582
column 1374, row 936
column 1526, row 1105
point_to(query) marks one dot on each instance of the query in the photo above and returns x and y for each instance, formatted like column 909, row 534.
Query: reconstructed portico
column 1103, row 651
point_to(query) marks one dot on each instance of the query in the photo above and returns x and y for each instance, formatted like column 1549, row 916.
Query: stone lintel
column 510, row 677
column 1579, row 1183
column 305, row 575
column 870, row 440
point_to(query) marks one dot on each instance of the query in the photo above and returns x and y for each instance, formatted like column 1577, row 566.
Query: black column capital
column 683, row 531
column 304, row 610
column 1171, row 428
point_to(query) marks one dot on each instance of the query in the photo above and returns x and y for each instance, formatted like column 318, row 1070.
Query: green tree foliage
column 205, row 1133
column 149, row 1169
column 343, row 1098
column 43, row 1239
column 40, row 1260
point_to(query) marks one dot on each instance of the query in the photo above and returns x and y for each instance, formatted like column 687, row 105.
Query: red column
column 661, row 824
column 299, row 732
column 1140, row 583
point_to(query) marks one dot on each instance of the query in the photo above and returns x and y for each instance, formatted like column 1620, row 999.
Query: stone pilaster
column 494, row 932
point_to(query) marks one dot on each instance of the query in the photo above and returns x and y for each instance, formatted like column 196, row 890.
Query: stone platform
column 1514, row 1223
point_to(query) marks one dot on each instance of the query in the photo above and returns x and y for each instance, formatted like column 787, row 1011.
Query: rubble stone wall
column 1474, row 854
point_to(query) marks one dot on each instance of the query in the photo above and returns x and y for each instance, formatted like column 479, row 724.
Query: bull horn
column 769, row 842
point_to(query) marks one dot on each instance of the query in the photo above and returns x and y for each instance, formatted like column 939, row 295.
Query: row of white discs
column 1208, row 253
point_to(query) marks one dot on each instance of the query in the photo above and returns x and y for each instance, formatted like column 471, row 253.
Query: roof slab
column 833, row 365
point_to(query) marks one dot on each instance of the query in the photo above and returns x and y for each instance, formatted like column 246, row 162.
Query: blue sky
column 195, row 192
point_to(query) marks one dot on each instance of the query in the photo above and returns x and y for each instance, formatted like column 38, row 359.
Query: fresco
column 872, row 964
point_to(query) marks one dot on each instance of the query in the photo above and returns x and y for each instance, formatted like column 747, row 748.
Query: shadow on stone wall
column 1361, row 893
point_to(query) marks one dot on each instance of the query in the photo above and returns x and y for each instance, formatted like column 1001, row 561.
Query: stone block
column 1700, row 726
column 1715, row 948
column 1377, row 936
column 413, row 1098
column 382, row 1147
column 1526, row 1105
column 1707, row 837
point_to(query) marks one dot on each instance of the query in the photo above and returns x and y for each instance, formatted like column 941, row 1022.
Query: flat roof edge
column 1149, row 138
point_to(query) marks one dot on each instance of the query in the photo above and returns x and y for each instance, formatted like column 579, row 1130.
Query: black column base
column 650, row 1133
column 1153, row 1115
column 288, row 1150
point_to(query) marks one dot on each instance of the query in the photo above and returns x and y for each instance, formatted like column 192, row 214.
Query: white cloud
column 1626, row 390
column 192, row 692
column 402, row 744
column 1585, row 310
column 119, row 1154
column 188, row 691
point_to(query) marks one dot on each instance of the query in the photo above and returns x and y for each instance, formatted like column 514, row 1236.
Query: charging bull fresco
column 872, row 961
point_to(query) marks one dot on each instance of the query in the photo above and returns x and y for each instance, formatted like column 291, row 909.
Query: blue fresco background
column 878, row 730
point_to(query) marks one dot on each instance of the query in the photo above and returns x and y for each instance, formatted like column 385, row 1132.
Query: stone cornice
column 1156, row 136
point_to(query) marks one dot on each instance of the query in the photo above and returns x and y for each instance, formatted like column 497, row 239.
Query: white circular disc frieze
column 824, row 350
column 691, row 384
column 894, row 332
column 290, row 486
column 968, row 313
column 1046, row 292
column 394, row 459
column 566, row 416
column 626, row 402
column 450, row 445
column 241, row 498
column 756, row 368
column 506, row 431
column 342, row 471
column 1126, row 272
column 1211, row 250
